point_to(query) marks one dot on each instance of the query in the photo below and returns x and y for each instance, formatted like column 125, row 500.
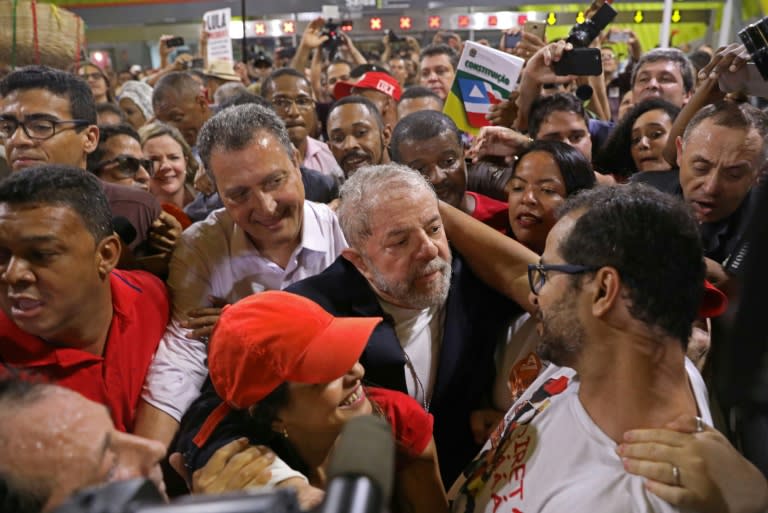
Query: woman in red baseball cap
column 290, row 372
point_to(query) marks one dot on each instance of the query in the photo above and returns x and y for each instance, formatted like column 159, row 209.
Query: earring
column 285, row 432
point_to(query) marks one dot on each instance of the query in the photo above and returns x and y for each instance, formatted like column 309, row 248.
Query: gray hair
column 234, row 128
column 365, row 189
column 668, row 54
column 228, row 90
column 738, row 116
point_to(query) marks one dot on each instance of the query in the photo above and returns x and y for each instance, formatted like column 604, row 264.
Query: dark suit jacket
column 476, row 318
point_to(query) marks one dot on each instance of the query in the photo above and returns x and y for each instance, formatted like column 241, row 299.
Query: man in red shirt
column 66, row 313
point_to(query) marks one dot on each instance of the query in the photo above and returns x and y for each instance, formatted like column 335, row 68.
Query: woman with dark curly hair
column 636, row 144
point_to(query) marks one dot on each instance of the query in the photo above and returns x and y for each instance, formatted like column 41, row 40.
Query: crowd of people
column 214, row 267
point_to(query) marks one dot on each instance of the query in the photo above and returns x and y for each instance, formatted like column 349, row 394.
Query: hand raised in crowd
column 202, row 320
column 412, row 43
column 693, row 466
column 504, row 113
column 235, row 466
column 182, row 61
column 727, row 59
column 498, row 141
column 202, row 182
column 313, row 36
column 539, row 68
column 164, row 233
column 163, row 48
column 528, row 45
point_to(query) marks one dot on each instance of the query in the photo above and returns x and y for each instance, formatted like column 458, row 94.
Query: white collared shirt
column 215, row 258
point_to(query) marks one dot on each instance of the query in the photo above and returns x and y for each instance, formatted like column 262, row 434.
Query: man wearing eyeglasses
column 291, row 97
column 615, row 315
column 48, row 116
column 119, row 159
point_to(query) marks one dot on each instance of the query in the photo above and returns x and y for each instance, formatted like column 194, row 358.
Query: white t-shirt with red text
column 548, row 456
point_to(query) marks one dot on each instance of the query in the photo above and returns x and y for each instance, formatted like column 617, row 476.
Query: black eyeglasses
column 37, row 129
column 127, row 166
column 537, row 273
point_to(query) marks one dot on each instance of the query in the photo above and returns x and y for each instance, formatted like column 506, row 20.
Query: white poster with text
column 216, row 25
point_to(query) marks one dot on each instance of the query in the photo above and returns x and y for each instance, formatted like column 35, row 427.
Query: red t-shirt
column 492, row 212
column 411, row 425
column 115, row 379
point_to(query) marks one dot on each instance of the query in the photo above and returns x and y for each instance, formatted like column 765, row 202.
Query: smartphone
column 745, row 80
column 196, row 63
column 579, row 61
column 537, row 28
column 511, row 40
column 174, row 42
column 618, row 37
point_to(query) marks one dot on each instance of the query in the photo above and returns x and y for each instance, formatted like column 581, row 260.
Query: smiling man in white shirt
column 265, row 238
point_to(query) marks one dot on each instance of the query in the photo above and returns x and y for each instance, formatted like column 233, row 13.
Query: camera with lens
column 754, row 38
column 393, row 38
column 582, row 34
column 334, row 40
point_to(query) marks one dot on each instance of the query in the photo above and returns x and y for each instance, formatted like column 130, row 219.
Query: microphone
column 124, row 229
column 584, row 92
column 361, row 470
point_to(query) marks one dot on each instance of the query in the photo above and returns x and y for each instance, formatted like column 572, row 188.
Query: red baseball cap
column 714, row 302
column 377, row 80
column 272, row 337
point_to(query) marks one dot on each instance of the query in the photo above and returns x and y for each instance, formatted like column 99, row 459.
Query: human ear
column 356, row 259
column 91, row 138
column 108, row 254
column 386, row 134
column 607, row 289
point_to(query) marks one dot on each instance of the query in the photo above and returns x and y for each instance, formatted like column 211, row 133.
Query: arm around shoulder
column 498, row 260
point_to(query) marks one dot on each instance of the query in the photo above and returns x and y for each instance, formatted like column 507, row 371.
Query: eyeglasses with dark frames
column 38, row 129
column 127, row 165
column 537, row 273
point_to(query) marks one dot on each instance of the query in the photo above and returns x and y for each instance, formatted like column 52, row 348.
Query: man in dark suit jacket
column 399, row 261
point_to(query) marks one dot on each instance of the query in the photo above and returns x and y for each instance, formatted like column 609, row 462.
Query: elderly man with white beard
column 441, row 323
